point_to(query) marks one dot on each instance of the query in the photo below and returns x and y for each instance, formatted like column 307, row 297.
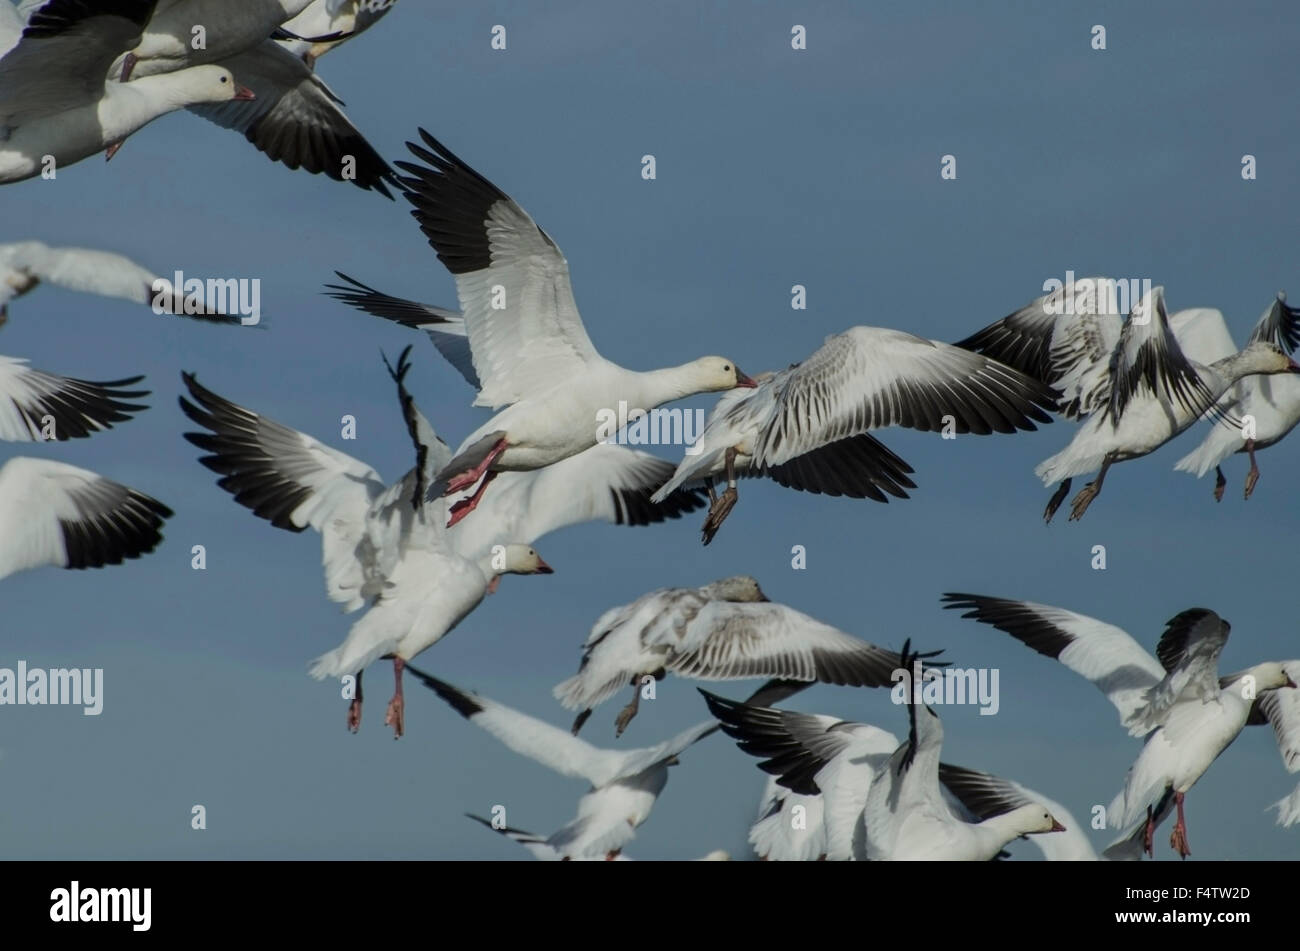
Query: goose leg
column 580, row 720
column 1253, row 475
column 462, row 508
column 128, row 64
column 354, row 708
column 1179, row 839
column 724, row 503
column 395, row 717
column 112, row 149
column 1089, row 491
column 1055, row 501
column 627, row 713
column 1148, row 837
column 467, row 478
column 1219, row 483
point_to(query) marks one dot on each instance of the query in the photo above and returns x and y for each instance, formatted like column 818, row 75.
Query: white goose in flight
column 1129, row 380
column 56, row 100
column 529, row 346
column 1269, row 404
column 379, row 546
column 725, row 630
column 808, row 427
column 624, row 783
column 26, row 264
column 1187, row 713
column 879, row 799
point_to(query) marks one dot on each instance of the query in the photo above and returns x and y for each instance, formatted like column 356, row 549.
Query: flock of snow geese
column 421, row 553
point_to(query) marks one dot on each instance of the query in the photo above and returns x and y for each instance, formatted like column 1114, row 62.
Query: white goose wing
column 986, row 796
column 98, row 272
column 1148, row 358
column 296, row 119
column 606, row 483
column 554, row 747
column 1281, row 708
column 291, row 480
column 730, row 640
column 1064, row 338
column 869, row 377
column 1105, row 655
column 52, row 513
column 446, row 328
column 782, row 834
column 1280, row 325
column 65, row 51
column 325, row 24
column 32, row 401
column 1202, row 334
column 1189, row 652
column 499, row 256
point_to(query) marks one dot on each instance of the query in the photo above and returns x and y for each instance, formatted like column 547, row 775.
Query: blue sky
column 775, row 167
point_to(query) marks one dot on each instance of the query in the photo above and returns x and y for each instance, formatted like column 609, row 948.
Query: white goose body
column 124, row 108
column 529, row 347
column 1272, row 403
column 1149, row 421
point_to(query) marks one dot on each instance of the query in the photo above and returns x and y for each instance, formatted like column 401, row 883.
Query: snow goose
column 844, row 764
column 725, row 630
column 167, row 43
column 529, row 345
column 908, row 817
column 379, row 545
column 326, row 24
column 25, row 264
column 807, row 427
column 296, row 482
column 52, row 513
column 55, row 100
column 1178, row 702
column 1128, row 380
column 985, row 796
column 36, row 406
column 624, row 783
column 1271, row 403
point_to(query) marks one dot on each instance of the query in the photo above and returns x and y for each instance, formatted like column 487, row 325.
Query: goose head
column 524, row 560
column 1265, row 358
column 1034, row 818
column 738, row 588
column 206, row 84
column 713, row 374
column 1271, row 676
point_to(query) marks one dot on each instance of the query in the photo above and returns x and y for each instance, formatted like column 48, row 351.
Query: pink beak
column 744, row 381
column 1056, row 827
column 243, row 92
column 543, row 568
